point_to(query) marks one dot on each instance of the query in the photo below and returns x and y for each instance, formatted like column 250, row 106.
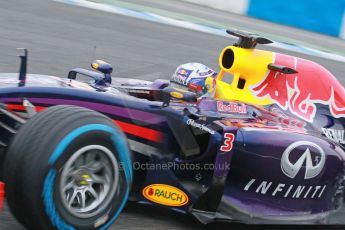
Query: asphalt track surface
column 61, row 37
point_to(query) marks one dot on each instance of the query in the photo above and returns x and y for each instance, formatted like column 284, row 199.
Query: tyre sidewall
column 91, row 138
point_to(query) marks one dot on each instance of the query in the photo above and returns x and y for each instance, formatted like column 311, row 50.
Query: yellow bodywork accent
column 176, row 95
column 249, row 65
column 95, row 65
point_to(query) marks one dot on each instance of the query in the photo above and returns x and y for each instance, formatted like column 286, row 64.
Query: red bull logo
column 299, row 93
column 184, row 72
column 231, row 107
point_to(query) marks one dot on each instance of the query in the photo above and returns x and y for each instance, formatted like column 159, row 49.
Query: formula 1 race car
column 266, row 148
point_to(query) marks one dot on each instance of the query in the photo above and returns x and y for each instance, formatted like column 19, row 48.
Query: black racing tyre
column 68, row 168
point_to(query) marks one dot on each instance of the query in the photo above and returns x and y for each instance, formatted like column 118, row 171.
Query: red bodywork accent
column 136, row 130
column 2, row 194
column 139, row 131
column 22, row 108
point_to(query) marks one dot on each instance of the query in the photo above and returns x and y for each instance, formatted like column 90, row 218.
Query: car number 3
column 228, row 142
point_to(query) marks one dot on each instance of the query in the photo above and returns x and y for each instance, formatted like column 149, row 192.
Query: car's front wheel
column 68, row 168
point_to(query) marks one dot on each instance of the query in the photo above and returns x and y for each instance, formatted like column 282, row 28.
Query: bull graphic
column 301, row 92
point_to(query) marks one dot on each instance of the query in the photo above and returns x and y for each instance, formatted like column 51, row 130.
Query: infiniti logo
column 311, row 169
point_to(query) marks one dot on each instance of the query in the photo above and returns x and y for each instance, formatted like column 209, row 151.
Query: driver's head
column 191, row 77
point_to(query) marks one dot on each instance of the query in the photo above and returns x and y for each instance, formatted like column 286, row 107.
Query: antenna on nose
column 94, row 53
column 23, row 67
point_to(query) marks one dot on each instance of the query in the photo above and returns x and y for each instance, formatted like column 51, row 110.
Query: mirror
column 102, row 66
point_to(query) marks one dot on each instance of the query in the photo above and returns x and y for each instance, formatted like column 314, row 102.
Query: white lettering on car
column 336, row 135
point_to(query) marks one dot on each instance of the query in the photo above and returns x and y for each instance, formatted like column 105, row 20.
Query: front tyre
column 68, row 168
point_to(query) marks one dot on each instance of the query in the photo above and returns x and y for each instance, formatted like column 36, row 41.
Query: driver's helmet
column 191, row 77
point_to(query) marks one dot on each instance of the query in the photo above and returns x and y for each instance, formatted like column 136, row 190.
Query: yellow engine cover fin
column 249, row 67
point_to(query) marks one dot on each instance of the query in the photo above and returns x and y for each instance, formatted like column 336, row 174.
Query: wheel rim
column 89, row 180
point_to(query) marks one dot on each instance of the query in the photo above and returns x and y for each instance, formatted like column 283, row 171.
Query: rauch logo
column 165, row 195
